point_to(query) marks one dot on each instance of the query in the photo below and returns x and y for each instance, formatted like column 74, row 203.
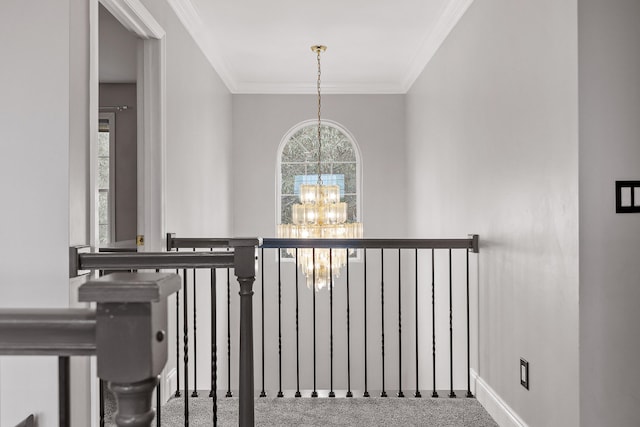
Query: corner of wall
column 499, row 410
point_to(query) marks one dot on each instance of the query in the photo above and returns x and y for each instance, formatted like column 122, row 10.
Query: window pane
column 343, row 149
column 294, row 151
column 104, row 233
column 103, row 207
column 103, row 144
column 103, row 173
column 348, row 170
column 351, row 208
column 286, row 203
column 289, row 172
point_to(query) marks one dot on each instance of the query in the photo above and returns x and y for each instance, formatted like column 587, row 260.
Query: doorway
column 133, row 56
column 117, row 135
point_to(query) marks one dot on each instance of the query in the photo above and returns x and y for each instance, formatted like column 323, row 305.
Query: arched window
column 298, row 164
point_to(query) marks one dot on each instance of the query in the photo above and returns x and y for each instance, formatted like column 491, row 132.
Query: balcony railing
column 389, row 282
column 375, row 314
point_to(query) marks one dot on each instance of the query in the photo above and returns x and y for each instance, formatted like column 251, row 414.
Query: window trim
column 358, row 154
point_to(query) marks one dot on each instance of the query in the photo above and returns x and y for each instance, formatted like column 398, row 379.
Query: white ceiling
column 374, row 46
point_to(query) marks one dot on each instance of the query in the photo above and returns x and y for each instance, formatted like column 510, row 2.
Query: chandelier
column 320, row 215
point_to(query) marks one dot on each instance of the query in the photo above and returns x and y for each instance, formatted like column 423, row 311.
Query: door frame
column 151, row 144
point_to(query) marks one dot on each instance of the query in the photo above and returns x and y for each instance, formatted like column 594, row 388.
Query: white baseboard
column 170, row 384
column 495, row 406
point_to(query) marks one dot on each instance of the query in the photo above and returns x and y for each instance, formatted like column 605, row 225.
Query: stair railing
column 241, row 257
column 130, row 363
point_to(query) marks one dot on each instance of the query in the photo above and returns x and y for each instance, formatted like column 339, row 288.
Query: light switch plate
column 627, row 196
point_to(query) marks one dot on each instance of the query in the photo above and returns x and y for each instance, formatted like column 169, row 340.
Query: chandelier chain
column 320, row 214
column 319, row 122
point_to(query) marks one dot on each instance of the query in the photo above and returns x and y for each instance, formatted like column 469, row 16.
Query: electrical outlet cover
column 524, row 373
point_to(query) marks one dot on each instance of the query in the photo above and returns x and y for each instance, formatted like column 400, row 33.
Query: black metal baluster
column 400, row 392
column 417, row 393
column 195, row 339
column 185, row 320
column 433, row 318
column 469, row 394
column 451, row 392
column 366, row 390
column 280, row 394
column 229, row 394
column 101, row 385
column 159, row 396
column 298, row 394
column 349, row 393
column 331, row 392
column 214, row 345
column 314, row 393
column 177, row 393
column 101, row 404
column 64, row 392
column 384, row 392
column 158, row 406
column 262, row 393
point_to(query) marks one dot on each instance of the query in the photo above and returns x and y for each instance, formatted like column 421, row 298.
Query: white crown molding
column 327, row 88
column 502, row 413
column 432, row 42
column 135, row 17
column 191, row 20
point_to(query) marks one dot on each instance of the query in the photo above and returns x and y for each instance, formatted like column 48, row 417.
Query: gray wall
column 492, row 148
column 35, row 133
column 44, row 164
column 126, row 157
column 118, row 50
column 609, row 36
column 198, row 159
column 261, row 121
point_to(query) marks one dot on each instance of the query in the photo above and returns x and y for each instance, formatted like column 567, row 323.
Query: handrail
column 472, row 243
column 51, row 332
column 196, row 242
column 154, row 260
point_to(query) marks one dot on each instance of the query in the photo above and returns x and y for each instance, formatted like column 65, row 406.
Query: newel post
column 245, row 270
column 131, row 338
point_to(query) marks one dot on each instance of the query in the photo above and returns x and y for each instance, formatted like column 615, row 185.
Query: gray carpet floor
column 373, row 411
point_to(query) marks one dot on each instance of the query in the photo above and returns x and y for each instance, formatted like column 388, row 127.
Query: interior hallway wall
column 35, row 133
column 609, row 36
column 492, row 149
column 198, row 164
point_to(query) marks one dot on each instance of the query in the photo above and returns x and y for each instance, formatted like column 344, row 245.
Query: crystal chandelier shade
column 320, row 215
